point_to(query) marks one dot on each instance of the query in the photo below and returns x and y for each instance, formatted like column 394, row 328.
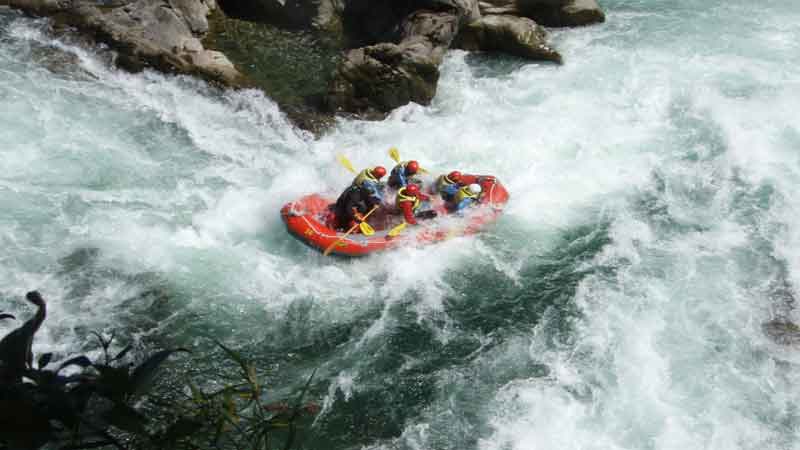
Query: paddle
column 422, row 215
column 353, row 228
column 366, row 229
column 397, row 230
column 345, row 162
column 395, row 155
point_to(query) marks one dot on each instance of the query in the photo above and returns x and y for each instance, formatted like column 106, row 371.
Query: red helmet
column 412, row 189
column 378, row 172
column 412, row 167
column 454, row 176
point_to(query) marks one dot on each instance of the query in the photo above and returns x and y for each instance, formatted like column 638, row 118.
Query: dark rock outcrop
column 391, row 49
column 376, row 79
column 322, row 15
column 163, row 34
column 518, row 36
column 553, row 13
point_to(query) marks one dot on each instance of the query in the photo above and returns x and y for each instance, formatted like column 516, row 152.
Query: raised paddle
column 345, row 162
column 353, row 228
column 395, row 155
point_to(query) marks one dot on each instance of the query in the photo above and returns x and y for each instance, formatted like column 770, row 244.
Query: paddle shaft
column 353, row 228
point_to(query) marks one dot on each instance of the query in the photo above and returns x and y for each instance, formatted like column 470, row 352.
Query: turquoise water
column 617, row 304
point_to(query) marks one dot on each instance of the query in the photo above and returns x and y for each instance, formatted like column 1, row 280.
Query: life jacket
column 397, row 177
column 463, row 193
column 402, row 197
column 365, row 175
column 443, row 182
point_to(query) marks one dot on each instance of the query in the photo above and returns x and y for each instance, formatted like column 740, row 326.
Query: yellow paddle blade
column 394, row 154
column 366, row 229
column 345, row 162
column 397, row 230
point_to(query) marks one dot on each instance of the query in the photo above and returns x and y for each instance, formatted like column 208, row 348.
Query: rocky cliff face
column 391, row 49
column 163, row 34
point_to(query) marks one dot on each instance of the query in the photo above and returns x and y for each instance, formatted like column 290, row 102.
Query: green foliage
column 111, row 403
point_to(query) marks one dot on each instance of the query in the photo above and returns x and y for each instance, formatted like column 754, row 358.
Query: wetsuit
column 351, row 201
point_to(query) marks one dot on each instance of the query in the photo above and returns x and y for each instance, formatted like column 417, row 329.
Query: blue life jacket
column 370, row 185
column 448, row 191
column 463, row 198
column 397, row 178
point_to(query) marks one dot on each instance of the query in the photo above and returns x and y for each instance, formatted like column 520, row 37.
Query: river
column 653, row 228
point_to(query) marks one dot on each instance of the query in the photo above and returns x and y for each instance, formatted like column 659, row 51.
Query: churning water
column 617, row 304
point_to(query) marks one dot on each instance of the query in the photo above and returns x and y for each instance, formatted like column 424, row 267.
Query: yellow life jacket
column 463, row 193
column 401, row 197
column 365, row 175
column 443, row 182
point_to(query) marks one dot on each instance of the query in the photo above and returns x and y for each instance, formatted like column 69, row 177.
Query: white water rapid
column 653, row 227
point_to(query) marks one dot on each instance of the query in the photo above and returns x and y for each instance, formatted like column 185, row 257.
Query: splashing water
column 617, row 304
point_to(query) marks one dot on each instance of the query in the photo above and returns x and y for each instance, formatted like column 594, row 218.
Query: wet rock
column 146, row 33
column 554, row 13
column 376, row 79
column 466, row 10
column 499, row 7
column 562, row 13
column 518, row 36
column 322, row 15
column 782, row 332
column 368, row 22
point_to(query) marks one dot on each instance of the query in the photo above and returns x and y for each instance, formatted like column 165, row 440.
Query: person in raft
column 466, row 196
column 369, row 182
column 402, row 173
column 350, row 208
column 447, row 185
column 408, row 201
column 364, row 193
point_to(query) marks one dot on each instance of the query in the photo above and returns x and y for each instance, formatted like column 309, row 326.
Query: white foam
column 655, row 127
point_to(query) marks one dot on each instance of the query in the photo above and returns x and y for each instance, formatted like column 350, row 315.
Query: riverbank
column 317, row 60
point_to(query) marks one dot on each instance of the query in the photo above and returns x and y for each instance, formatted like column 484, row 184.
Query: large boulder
column 375, row 79
column 518, row 36
column 467, row 10
column 555, row 13
column 322, row 15
column 163, row 34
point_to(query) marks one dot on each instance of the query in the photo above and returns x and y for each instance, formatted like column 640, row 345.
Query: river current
column 653, row 228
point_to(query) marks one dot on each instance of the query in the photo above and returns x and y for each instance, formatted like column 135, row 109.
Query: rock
column 499, row 7
column 518, row 36
column 467, row 10
column 375, row 79
column 194, row 13
column 562, row 13
column 555, row 13
column 321, row 15
column 782, row 332
column 147, row 33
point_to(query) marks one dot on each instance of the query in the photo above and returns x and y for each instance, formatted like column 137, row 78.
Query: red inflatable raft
column 308, row 219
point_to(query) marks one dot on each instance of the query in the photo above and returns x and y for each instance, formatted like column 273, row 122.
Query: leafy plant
column 109, row 402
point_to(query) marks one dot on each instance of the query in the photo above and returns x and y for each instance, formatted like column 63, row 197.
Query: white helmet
column 475, row 188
